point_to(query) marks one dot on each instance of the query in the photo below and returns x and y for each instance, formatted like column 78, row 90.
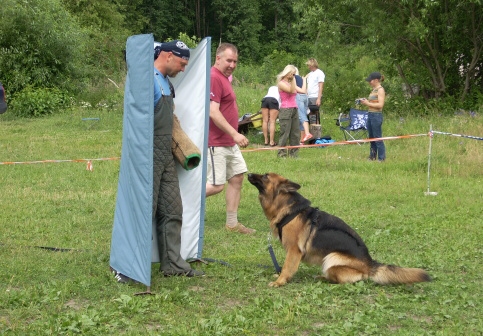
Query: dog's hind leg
column 290, row 267
column 344, row 274
column 341, row 268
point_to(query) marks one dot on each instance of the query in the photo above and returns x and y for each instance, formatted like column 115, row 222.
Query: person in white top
column 315, row 84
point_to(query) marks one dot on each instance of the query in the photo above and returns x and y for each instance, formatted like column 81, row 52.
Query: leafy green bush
column 37, row 102
column 190, row 41
column 266, row 73
column 102, row 95
column 41, row 44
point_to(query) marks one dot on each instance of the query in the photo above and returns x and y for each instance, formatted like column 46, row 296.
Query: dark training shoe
column 121, row 278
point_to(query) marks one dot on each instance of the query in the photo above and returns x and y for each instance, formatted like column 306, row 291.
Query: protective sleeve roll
column 184, row 150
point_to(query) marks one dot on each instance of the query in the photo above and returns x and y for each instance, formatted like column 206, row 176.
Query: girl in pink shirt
column 288, row 116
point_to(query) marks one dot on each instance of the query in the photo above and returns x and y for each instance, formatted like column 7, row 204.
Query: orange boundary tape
column 58, row 161
column 349, row 142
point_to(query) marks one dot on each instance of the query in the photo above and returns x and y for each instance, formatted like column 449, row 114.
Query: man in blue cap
column 170, row 58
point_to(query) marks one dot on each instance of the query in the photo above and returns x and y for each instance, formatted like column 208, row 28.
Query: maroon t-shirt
column 222, row 92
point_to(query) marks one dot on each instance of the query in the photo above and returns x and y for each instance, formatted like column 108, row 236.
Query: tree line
column 431, row 48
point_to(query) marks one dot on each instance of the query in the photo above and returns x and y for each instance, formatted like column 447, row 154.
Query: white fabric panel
column 192, row 108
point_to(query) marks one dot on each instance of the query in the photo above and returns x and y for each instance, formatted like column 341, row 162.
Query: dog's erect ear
column 289, row 186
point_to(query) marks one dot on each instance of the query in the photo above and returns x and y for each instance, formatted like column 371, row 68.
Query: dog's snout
column 252, row 176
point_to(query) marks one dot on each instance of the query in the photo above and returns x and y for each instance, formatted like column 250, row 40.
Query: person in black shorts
column 270, row 108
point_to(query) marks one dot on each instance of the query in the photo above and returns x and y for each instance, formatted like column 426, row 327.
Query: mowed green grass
column 63, row 205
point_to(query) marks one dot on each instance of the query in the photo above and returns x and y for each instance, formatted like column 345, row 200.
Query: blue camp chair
column 353, row 126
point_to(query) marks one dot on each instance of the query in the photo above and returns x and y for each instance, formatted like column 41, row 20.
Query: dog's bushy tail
column 390, row 274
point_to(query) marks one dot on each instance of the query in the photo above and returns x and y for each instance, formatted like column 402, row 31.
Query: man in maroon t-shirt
column 225, row 161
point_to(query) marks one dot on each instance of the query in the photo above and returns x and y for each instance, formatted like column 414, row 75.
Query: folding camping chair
column 353, row 126
column 314, row 114
column 249, row 120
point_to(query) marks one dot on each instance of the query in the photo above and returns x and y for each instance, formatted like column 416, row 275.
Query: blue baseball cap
column 177, row 47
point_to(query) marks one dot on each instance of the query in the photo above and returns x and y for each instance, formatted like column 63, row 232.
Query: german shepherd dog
column 318, row 238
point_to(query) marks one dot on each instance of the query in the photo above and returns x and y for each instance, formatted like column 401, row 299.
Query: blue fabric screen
column 132, row 247
column 132, row 231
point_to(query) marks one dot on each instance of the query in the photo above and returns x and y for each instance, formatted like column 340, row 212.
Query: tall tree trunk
column 276, row 15
column 198, row 17
column 476, row 53
column 403, row 77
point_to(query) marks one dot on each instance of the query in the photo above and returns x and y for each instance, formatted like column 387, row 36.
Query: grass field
column 43, row 292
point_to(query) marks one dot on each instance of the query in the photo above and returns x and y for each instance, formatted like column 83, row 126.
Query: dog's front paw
column 278, row 283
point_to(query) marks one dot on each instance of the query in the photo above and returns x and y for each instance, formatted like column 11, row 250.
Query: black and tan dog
column 318, row 238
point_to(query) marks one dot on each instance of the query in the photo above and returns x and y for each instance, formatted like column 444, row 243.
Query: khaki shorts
column 224, row 163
